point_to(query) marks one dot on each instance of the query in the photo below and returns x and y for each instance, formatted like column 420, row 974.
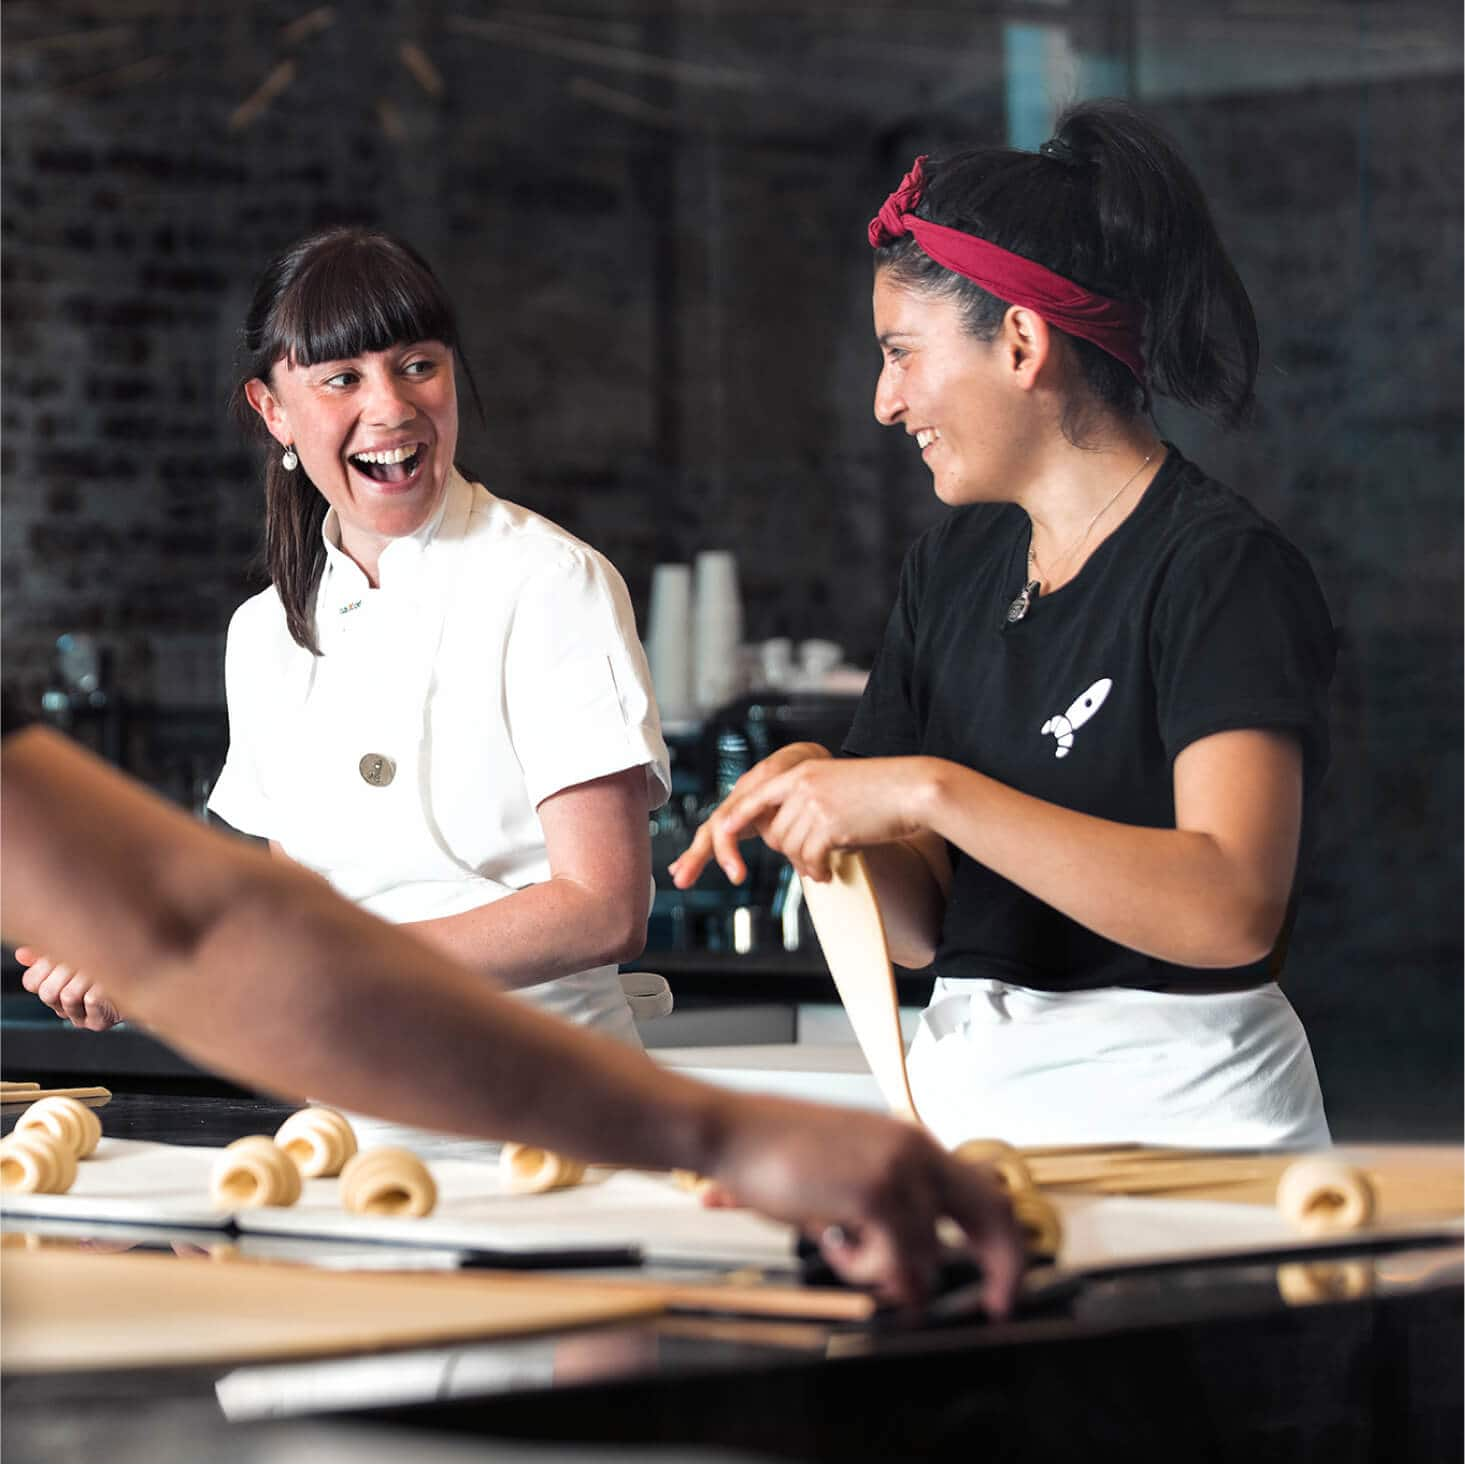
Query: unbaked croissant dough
column 1037, row 1218
column 255, row 1171
column 1319, row 1196
column 1011, row 1169
column 387, row 1181
column 527, row 1169
column 318, row 1139
column 691, row 1180
column 76, row 1126
column 36, row 1160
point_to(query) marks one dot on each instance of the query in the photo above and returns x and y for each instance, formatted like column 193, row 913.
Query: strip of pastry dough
column 846, row 917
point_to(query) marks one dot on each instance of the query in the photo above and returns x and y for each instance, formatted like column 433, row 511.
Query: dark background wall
column 652, row 217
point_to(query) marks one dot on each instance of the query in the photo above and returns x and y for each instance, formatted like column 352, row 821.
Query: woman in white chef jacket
column 440, row 704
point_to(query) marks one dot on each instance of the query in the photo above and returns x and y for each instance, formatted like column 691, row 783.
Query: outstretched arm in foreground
column 259, row 971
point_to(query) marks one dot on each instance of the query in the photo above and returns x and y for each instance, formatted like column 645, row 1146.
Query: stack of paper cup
column 669, row 641
column 717, row 629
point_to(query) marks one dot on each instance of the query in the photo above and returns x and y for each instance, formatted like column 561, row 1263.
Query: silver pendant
column 1019, row 607
column 377, row 769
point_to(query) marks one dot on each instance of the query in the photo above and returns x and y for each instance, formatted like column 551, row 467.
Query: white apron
column 377, row 840
column 1226, row 1070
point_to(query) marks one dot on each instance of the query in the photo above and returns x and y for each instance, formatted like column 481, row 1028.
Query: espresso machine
column 763, row 915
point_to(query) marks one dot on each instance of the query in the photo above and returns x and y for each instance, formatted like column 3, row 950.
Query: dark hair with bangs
column 334, row 295
column 1116, row 210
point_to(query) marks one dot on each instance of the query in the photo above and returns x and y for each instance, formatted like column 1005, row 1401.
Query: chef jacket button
column 377, row 769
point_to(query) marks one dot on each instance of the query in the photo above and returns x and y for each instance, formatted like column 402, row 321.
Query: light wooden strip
column 1406, row 1185
column 827, row 1304
column 732, row 1296
column 93, row 1098
column 74, row 1310
column 1080, row 1172
column 8, row 1086
column 1054, row 1152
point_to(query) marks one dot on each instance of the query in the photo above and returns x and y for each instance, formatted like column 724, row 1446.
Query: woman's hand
column 711, row 838
column 67, row 992
column 870, row 1190
column 806, row 804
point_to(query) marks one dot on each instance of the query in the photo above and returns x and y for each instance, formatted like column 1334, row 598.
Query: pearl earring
column 291, row 461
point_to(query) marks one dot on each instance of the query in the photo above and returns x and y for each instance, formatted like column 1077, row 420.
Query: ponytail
column 1162, row 248
column 1111, row 205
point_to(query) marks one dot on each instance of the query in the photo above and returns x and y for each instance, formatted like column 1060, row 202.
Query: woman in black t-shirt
column 1090, row 740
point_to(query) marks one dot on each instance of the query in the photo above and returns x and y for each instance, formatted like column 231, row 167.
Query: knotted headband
column 1112, row 325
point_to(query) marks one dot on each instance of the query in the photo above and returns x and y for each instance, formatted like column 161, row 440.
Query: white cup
column 776, row 663
column 669, row 640
column 818, row 659
column 717, row 629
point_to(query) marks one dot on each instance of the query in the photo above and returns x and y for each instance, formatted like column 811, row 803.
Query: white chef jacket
column 497, row 664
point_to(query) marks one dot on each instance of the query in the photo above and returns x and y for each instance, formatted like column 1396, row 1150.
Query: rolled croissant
column 1320, row 1196
column 319, row 1140
column 1011, row 1169
column 387, row 1182
column 76, row 1126
column 255, row 1171
column 36, row 1160
column 1037, row 1218
column 527, row 1169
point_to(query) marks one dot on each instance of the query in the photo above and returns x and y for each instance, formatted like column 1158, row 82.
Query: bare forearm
column 414, row 1035
column 540, row 932
column 258, row 970
column 1174, row 894
column 911, row 901
column 262, row 972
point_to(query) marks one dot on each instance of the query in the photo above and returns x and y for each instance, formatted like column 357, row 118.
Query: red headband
column 1112, row 325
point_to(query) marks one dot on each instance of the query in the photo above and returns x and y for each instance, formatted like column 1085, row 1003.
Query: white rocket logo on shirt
column 1065, row 724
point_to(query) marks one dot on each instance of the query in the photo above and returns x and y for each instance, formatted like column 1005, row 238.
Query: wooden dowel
column 828, row 1304
column 1046, row 1152
column 93, row 1098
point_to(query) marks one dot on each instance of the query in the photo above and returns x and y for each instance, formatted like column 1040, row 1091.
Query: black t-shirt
column 1194, row 617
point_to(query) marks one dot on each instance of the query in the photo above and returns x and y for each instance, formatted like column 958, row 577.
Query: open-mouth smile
column 391, row 467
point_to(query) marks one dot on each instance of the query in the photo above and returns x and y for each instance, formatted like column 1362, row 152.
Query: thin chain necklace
column 1020, row 606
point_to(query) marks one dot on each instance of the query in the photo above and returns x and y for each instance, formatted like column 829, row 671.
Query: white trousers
column 1229, row 1070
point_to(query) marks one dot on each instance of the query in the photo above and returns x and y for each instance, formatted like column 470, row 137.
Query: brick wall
column 1342, row 207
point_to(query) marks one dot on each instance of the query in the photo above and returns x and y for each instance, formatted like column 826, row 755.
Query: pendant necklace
column 1024, row 598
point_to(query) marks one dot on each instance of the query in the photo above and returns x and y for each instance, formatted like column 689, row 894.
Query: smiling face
column 960, row 398
column 376, row 434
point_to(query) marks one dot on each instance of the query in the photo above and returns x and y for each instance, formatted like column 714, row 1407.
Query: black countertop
column 1181, row 1363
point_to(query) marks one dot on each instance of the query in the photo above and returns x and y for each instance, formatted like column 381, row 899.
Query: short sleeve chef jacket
column 497, row 664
